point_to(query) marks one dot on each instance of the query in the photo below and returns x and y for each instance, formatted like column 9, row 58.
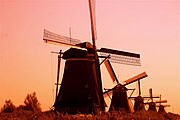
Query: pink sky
column 148, row 27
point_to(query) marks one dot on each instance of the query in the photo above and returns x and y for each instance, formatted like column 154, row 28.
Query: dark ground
column 50, row 115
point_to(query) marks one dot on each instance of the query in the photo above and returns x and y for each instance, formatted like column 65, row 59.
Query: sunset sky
column 148, row 27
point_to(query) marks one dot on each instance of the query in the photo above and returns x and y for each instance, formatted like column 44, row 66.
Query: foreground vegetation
column 50, row 115
column 31, row 110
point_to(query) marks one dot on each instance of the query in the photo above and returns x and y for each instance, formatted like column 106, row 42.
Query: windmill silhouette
column 161, row 106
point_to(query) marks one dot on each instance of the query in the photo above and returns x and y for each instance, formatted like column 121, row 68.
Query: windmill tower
column 81, row 86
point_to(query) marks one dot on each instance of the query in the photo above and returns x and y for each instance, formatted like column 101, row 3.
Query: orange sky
column 148, row 27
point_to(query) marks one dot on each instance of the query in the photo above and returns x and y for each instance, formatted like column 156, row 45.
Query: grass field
column 116, row 115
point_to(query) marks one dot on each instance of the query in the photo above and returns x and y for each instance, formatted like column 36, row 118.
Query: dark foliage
column 31, row 103
column 8, row 107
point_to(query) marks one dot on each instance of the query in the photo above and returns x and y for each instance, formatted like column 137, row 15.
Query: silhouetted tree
column 21, row 107
column 8, row 107
column 31, row 102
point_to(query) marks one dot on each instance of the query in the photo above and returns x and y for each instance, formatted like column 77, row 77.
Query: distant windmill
column 120, row 100
column 81, row 86
column 161, row 106
column 139, row 100
column 153, row 104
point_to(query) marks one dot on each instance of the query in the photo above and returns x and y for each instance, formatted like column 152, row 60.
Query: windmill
column 161, row 106
column 120, row 100
column 81, row 86
column 150, row 102
column 139, row 100
column 153, row 104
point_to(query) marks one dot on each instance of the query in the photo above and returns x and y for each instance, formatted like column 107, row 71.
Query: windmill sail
column 108, row 93
column 135, row 78
column 161, row 101
column 121, row 57
column 93, row 20
column 111, row 71
column 94, row 51
column 54, row 38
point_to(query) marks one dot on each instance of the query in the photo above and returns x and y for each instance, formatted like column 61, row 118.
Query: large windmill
column 81, row 86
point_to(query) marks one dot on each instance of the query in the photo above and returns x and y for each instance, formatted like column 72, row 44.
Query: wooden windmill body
column 81, row 90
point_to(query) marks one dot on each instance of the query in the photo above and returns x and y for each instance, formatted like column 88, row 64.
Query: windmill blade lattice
column 54, row 38
column 121, row 57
